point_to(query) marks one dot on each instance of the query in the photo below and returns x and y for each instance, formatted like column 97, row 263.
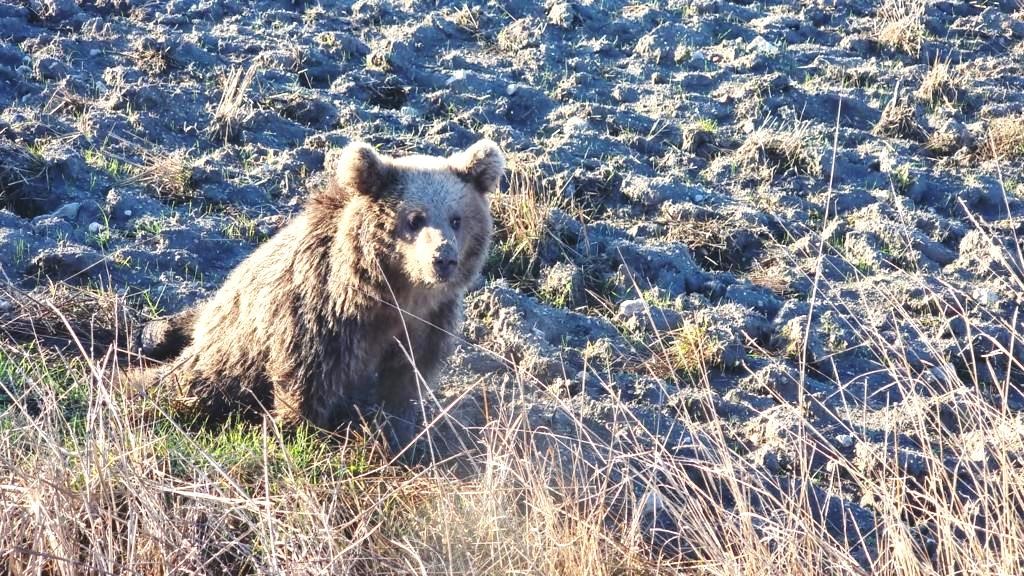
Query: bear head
column 431, row 214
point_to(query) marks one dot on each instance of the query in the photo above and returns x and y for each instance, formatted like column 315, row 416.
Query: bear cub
column 352, row 305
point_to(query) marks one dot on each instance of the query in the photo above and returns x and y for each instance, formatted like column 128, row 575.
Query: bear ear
column 361, row 170
column 482, row 164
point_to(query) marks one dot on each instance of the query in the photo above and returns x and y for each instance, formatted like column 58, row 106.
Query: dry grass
column 693, row 350
column 87, row 486
column 1005, row 138
column 899, row 120
column 234, row 107
column 151, row 56
column 57, row 314
column 725, row 241
column 901, row 25
column 943, row 84
column 521, row 220
column 468, row 18
column 64, row 99
column 19, row 166
column 772, row 150
column 167, row 175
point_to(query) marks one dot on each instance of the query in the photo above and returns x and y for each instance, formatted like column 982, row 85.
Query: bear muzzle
column 445, row 267
column 446, row 261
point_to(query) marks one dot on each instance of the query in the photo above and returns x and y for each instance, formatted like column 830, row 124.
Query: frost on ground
column 754, row 298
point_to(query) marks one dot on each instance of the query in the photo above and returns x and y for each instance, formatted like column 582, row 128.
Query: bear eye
column 456, row 222
column 417, row 221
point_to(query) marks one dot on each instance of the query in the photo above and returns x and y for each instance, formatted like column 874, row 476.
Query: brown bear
column 353, row 304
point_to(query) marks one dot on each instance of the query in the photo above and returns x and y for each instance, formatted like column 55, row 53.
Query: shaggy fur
column 165, row 338
column 309, row 324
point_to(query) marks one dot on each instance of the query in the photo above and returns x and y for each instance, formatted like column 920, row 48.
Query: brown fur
column 308, row 326
column 166, row 337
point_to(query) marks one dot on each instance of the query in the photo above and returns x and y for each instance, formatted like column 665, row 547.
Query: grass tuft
column 769, row 152
column 943, row 85
column 695, row 349
column 167, row 175
column 900, row 25
column 521, row 217
column 1006, row 137
column 235, row 107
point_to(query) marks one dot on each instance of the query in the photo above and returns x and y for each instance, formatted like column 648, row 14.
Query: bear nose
column 445, row 267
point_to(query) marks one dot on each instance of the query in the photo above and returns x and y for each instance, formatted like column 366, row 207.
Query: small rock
column 457, row 76
column 846, row 440
column 95, row 227
column 632, row 308
column 68, row 211
column 985, row 296
column 762, row 47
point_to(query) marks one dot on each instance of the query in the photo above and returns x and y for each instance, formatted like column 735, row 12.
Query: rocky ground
column 796, row 225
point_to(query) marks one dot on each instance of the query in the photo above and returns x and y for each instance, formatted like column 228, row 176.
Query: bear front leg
column 403, row 369
column 165, row 338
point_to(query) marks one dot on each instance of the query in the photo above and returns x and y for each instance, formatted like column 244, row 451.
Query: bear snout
column 446, row 261
column 445, row 266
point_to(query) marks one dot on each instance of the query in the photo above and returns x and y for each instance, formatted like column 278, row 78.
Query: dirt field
column 755, row 300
